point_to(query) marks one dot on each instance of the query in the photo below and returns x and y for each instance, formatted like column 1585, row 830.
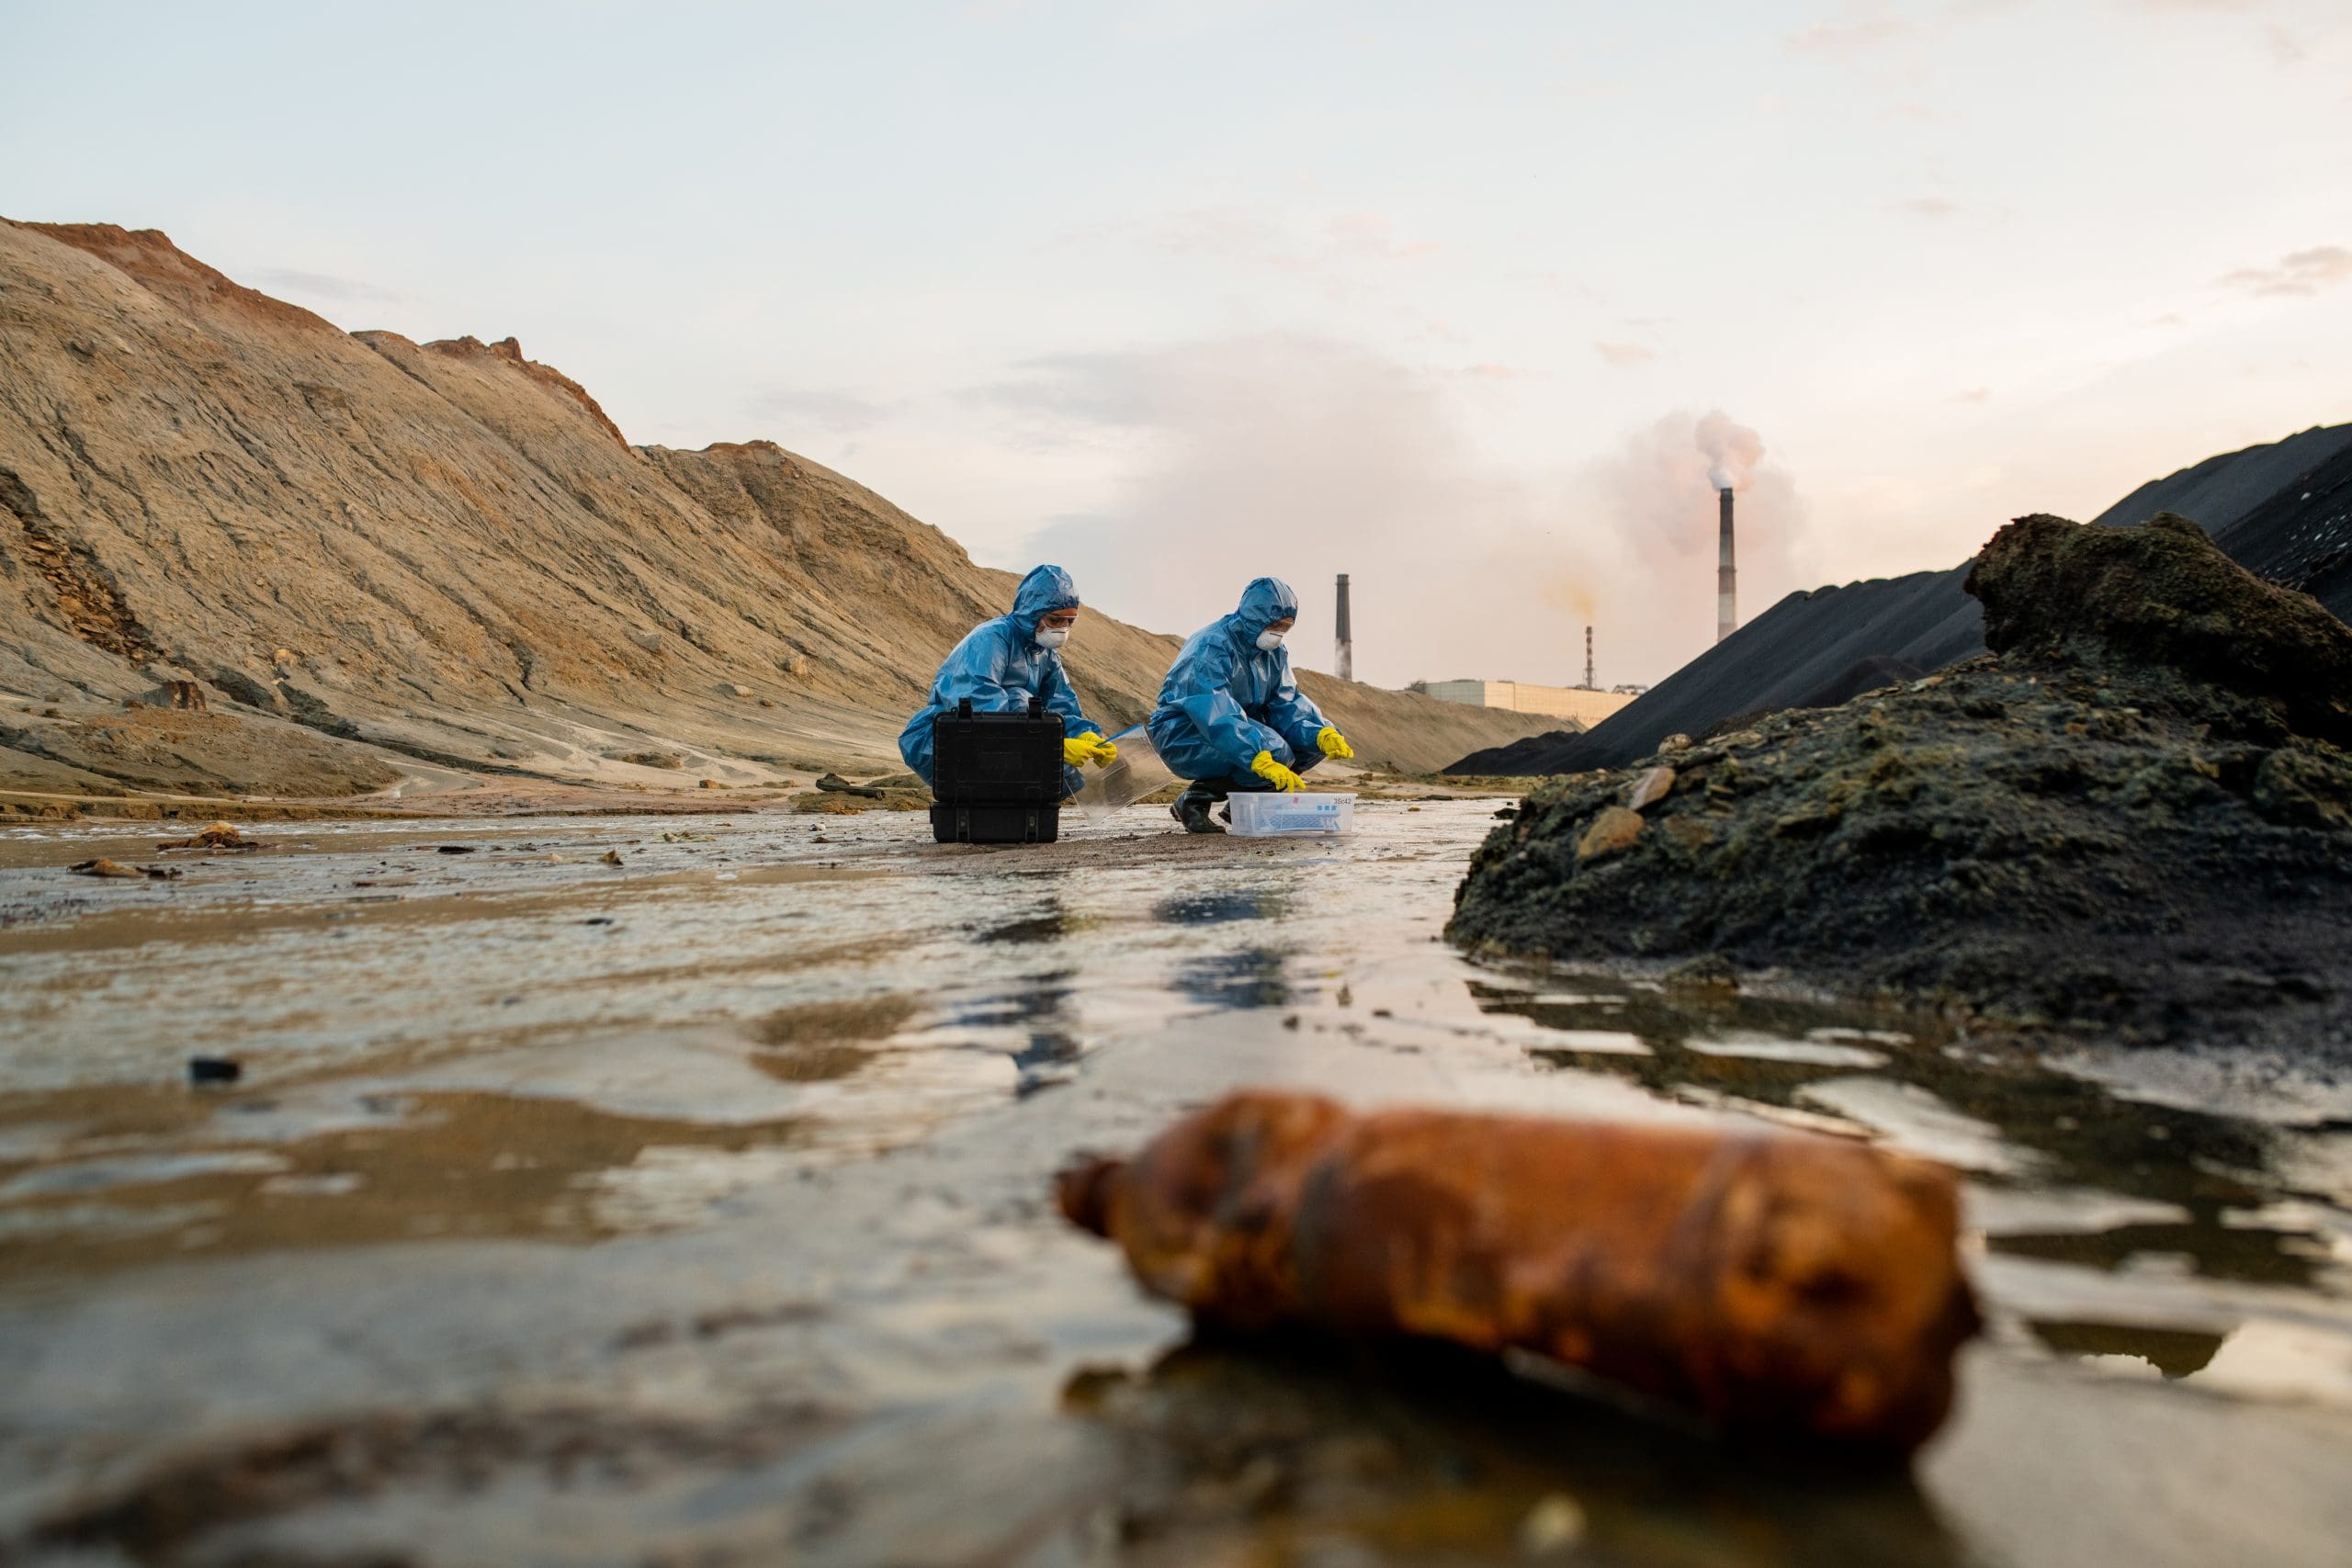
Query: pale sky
column 1177, row 294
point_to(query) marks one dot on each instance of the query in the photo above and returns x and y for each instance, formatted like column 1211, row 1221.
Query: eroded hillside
column 447, row 552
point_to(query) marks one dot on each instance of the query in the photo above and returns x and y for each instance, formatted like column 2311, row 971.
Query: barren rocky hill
column 359, row 552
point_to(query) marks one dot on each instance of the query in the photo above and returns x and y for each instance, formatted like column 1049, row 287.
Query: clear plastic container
column 1271, row 814
column 1137, row 772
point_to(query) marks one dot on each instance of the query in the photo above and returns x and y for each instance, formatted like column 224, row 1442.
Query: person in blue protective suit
column 1001, row 664
column 1231, row 716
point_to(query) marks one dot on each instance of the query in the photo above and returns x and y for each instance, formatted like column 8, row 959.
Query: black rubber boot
column 1192, row 809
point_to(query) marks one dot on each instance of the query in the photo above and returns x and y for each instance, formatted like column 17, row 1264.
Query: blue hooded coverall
column 999, row 666
column 1225, row 699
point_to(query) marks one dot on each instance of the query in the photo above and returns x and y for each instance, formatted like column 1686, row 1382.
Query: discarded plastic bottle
column 1771, row 1283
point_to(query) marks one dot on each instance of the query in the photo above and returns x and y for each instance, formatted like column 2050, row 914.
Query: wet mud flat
column 696, row 1209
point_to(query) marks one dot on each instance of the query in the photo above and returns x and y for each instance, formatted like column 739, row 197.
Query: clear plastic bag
column 1137, row 772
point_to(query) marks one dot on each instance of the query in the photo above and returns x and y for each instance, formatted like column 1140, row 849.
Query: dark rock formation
column 2282, row 510
column 2134, row 818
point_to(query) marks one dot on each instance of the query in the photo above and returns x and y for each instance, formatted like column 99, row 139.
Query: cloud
column 2298, row 275
column 322, row 286
column 1973, row 395
column 831, row 410
column 1857, row 31
column 1624, row 355
column 1287, row 243
column 1304, row 456
column 1371, row 234
column 1928, row 206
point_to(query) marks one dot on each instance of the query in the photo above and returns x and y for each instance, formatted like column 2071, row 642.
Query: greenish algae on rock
column 2134, row 817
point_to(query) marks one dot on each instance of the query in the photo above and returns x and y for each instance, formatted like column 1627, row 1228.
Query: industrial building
column 1585, row 706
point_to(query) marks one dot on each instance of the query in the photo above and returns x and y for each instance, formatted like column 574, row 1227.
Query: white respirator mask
column 1052, row 637
column 1269, row 640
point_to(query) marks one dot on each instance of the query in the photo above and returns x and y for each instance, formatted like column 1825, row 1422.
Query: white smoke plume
column 1305, row 457
column 1658, row 492
column 1732, row 450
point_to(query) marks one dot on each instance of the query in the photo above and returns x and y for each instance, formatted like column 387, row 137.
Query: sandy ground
column 693, row 1209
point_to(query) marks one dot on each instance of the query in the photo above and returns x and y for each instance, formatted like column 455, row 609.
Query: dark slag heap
column 2132, row 816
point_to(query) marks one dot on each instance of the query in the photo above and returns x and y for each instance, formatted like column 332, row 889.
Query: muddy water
column 692, row 1210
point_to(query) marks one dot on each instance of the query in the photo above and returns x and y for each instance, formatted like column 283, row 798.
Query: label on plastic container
column 1264, row 814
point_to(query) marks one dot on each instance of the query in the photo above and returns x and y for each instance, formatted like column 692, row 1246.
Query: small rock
column 105, row 867
column 1654, row 786
column 1709, row 970
column 1691, row 833
column 611, row 857
column 710, row 784
column 740, row 691
column 1612, row 832
column 1673, row 744
column 453, row 849
column 214, row 1069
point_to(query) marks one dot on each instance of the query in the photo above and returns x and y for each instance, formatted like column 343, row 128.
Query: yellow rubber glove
column 1274, row 772
column 1334, row 744
column 1088, row 747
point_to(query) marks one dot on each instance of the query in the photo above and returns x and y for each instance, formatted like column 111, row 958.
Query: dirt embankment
column 447, row 553
column 2134, row 816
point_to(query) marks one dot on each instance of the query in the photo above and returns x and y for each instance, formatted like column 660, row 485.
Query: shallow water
column 693, row 1209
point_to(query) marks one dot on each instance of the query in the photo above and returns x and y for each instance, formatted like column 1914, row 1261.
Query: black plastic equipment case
column 996, row 778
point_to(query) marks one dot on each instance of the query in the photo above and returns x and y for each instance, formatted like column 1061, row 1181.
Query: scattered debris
column 712, row 783
column 1773, row 1283
column 456, row 849
column 222, row 837
column 835, row 784
column 611, row 857
column 214, row 1069
column 105, row 867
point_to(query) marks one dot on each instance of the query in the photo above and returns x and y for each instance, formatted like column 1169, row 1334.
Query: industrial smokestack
column 1347, row 665
column 1726, row 578
column 1588, row 659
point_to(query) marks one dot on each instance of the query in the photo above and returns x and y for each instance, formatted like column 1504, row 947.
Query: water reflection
column 1423, row 1453
column 2174, row 1353
column 1251, row 978
column 2040, row 1129
column 1220, row 907
column 1035, row 1023
column 1051, row 923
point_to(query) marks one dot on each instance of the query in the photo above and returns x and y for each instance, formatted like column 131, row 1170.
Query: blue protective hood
column 1044, row 590
column 1264, row 602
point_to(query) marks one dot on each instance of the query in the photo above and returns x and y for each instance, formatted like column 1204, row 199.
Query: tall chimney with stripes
column 1346, row 665
column 1726, row 578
